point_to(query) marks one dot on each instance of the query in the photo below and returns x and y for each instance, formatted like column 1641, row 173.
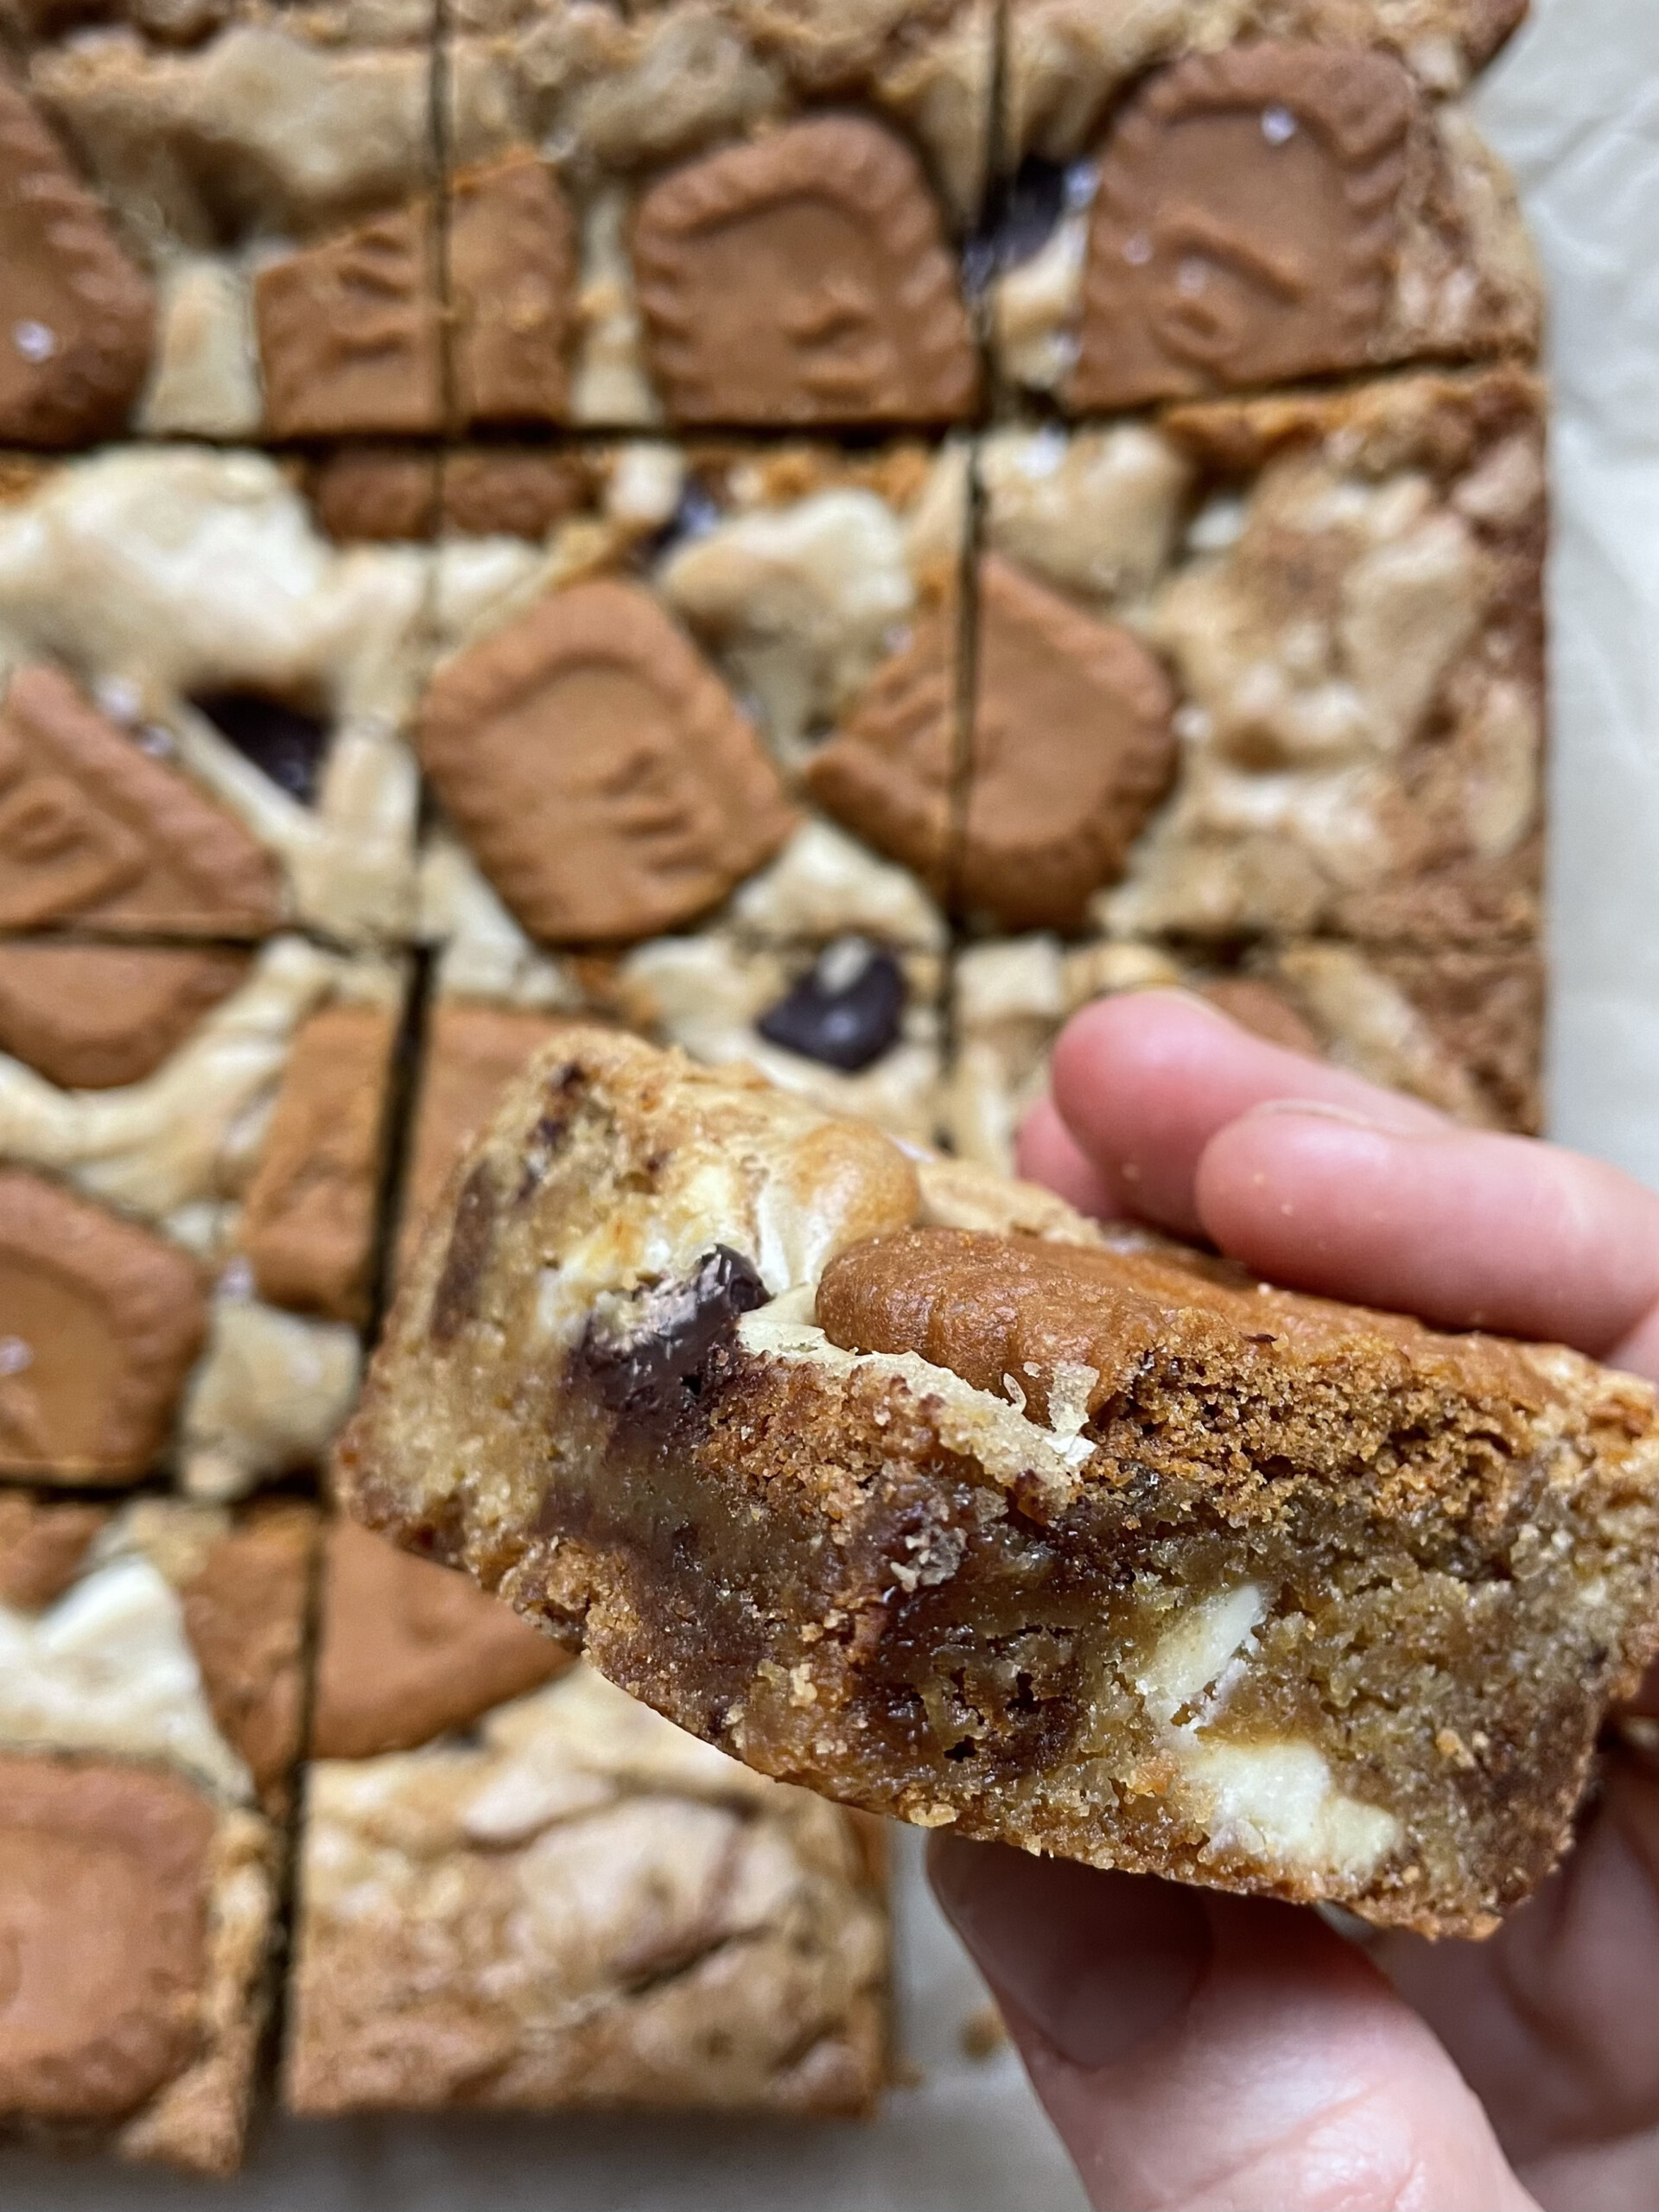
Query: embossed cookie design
column 350, row 331
column 92, row 830
column 1245, row 227
column 92, row 1017
column 1072, row 749
column 76, row 316
column 599, row 768
column 513, row 271
column 103, row 1874
column 803, row 279
column 307, row 1223
column 99, row 1323
column 889, row 772
column 410, row 1649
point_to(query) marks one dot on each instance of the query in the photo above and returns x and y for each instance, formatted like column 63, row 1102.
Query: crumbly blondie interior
column 898, row 1479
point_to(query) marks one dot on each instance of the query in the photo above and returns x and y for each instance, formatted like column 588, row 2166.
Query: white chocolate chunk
column 109, row 1668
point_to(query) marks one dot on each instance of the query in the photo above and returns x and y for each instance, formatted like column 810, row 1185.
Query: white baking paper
column 1575, row 108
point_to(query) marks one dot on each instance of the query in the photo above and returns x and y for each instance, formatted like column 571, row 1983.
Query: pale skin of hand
column 1201, row 2053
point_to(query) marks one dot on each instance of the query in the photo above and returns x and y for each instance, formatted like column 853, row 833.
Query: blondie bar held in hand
column 904, row 1481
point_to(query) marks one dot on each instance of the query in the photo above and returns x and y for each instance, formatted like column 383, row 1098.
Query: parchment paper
column 1574, row 106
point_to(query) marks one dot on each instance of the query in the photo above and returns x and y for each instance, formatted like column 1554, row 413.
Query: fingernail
column 1412, row 1119
column 1101, row 1964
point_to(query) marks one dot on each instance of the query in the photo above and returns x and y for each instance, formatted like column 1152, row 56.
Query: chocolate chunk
column 599, row 768
column 1025, row 216
column 308, row 1222
column 846, row 1011
column 104, row 1875
column 283, row 743
column 454, row 1302
column 1073, row 748
column 411, row 1649
column 91, row 1017
column 803, row 279
column 512, row 277
column 100, row 1322
column 1245, row 224
column 92, row 830
column 76, row 316
column 349, row 332
column 647, row 1358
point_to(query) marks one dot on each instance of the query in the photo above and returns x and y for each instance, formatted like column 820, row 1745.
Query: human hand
column 1204, row 2053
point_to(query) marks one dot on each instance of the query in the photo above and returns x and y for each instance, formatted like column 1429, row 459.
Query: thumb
column 1216, row 2053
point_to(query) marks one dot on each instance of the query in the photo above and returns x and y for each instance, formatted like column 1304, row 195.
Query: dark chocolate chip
column 648, row 1359
column 454, row 1302
column 846, row 1011
column 1024, row 214
column 697, row 513
column 281, row 742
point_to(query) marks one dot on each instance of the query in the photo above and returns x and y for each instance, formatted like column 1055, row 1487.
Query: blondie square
column 1212, row 197
column 519, row 1890
column 205, row 702
column 902, row 1481
column 1270, row 667
column 715, row 213
column 220, row 222
column 150, row 1703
